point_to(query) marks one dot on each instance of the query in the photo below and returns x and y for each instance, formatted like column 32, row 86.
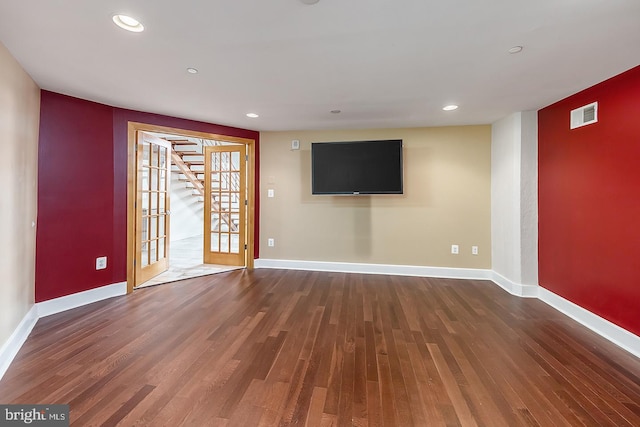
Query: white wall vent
column 584, row 115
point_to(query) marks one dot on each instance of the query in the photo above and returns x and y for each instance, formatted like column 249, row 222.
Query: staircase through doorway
column 187, row 169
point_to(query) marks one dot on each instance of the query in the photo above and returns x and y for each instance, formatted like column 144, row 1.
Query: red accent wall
column 75, row 197
column 82, row 191
column 589, row 201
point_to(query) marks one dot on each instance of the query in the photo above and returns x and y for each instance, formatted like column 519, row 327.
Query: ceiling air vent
column 584, row 115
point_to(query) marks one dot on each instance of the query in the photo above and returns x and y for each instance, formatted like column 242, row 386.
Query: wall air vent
column 584, row 115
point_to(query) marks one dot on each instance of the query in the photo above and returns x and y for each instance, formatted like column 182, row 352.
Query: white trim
column 599, row 325
column 614, row 333
column 57, row 305
column 399, row 270
column 12, row 346
column 517, row 289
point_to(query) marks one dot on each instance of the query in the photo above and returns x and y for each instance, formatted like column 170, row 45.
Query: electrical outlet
column 455, row 249
column 474, row 250
column 101, row 263
column 295, row 144
column 271, row 243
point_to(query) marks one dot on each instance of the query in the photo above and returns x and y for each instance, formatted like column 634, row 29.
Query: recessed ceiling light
column 336, row 111
column 192, row 70
column 515, row 49
column 252, row 115
column 450, row 107
column 128, row 23
column 309, row 1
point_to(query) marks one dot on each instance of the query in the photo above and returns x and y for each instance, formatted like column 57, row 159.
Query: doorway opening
column 191, row 204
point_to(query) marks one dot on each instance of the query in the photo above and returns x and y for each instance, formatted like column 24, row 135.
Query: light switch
column 270, row 192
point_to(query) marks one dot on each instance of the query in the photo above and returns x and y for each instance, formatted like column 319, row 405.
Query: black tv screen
column 358, row 167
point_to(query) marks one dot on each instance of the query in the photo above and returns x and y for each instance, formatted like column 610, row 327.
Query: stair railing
column 199, row 186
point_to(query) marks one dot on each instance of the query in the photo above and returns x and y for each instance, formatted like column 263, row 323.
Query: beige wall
column 19, row 121
column 446, row 200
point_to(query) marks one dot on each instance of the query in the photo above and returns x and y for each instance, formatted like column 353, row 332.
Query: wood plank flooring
column 277, row 347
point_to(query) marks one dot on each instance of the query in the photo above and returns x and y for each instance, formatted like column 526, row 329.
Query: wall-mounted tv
column 356, row 167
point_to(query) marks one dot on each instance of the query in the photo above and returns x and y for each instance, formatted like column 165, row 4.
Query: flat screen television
column 356, row 167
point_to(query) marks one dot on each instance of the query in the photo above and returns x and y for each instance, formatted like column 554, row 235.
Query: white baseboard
column 614, row 333
column 399, row 270
column 10, row 349
column 46, row 308
column 57, row 305
column 601, row 326
column 517, row 289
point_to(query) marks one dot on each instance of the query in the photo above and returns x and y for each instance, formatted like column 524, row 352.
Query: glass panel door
column 225, row 198
column 152, row 207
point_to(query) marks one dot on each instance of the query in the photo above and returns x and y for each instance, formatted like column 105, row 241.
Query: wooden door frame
column 132, row 129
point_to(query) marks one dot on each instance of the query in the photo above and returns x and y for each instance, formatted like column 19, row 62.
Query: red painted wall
column 589, row 201
column 75, row 197
column 82, row 191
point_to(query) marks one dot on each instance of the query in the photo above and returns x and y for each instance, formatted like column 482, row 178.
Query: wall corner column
column 514, row 198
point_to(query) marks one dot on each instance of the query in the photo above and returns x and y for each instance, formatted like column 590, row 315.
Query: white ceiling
column 384, row 63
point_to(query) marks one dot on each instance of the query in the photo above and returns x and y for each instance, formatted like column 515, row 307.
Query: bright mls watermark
column 34, row 415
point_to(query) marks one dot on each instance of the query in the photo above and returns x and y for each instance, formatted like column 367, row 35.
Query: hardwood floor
column 276, row 347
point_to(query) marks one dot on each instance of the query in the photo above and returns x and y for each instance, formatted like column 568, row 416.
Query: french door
column 153, row 159
column 225, row 220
